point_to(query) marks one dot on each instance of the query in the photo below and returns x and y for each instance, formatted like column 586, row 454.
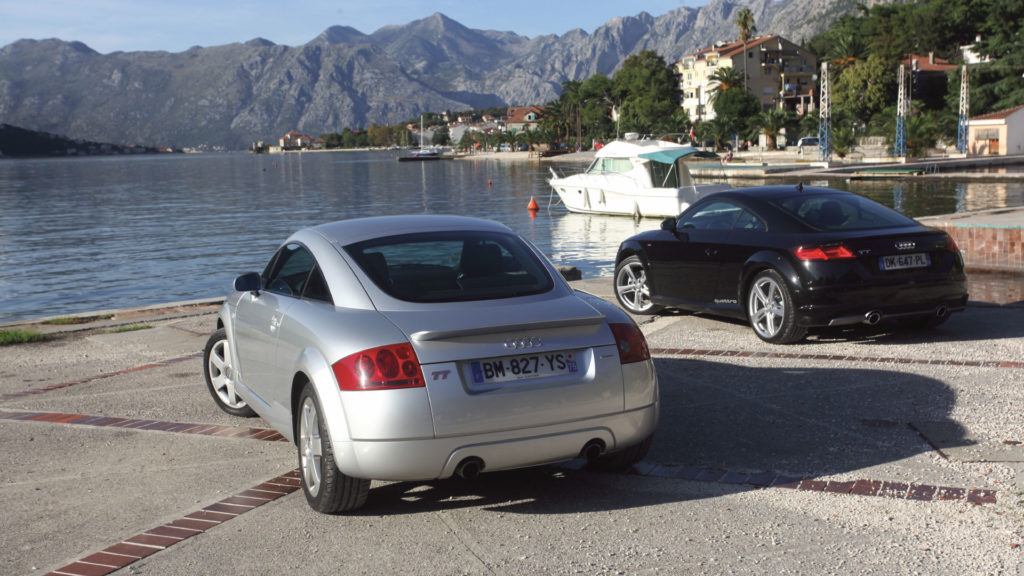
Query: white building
column 999, row 133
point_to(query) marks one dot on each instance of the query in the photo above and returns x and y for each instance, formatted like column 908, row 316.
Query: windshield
column 452, row 266
column 841, row 212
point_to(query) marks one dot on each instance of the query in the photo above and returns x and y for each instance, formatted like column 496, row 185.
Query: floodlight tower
column 824, row 118
column 900, row 147
column 965, row 109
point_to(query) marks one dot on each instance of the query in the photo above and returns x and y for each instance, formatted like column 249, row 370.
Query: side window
column 290, row 271
column 748, row 221
column 718, row 215
column 316, row 288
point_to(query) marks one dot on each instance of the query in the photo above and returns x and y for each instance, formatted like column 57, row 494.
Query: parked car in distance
column 422, row 347
column 788, row 258
column 807, row 142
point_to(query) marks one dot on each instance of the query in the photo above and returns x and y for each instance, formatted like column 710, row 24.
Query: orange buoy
column 532, row 207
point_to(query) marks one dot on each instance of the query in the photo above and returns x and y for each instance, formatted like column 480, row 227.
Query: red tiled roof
column 518, row 114
column 731, row 49
column 923, row 63
column 1000, row 114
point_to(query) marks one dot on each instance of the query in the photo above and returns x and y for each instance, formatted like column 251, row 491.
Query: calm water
column 78, row 235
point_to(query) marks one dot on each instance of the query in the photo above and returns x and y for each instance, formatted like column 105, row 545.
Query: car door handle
column 275, row 323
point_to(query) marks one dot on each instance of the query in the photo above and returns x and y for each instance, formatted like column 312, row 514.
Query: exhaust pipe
column 873, row 317
column 469, row 468
column 941, row 312
column 592, row 450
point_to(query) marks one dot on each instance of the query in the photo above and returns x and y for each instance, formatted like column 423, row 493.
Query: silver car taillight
column 381, row 368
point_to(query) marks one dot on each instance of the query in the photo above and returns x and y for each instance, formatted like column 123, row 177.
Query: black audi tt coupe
column 788, row 258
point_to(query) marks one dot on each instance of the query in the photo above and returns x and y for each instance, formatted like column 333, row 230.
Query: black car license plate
column 904, row 261
column 526, row 367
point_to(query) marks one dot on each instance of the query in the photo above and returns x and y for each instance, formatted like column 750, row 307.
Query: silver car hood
column 463, row 330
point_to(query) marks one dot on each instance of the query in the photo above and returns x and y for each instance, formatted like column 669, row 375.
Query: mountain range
column 232, row 95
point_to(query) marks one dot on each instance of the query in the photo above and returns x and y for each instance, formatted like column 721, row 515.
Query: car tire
column 632, row 289
column 771, row 311
column 219, row 370
column 622, row 460
column 327, row 489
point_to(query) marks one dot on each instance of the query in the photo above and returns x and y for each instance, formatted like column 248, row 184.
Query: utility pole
column 824, row 118
column 965, row 110
column 900, row 147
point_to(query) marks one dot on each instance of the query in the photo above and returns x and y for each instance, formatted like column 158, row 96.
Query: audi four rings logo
column 908, row 245
column 523, row 343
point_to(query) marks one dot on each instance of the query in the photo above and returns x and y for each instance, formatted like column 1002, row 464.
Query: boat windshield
column 675, row 175
column 610, row 165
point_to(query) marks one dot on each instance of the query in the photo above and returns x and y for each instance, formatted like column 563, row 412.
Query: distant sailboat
column 423, row 153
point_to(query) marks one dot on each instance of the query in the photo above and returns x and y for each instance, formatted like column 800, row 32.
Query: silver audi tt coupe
column 422, row 347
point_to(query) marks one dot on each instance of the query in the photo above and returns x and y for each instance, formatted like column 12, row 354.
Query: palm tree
column 725, row 78
column 846, row 49
column 772, row 122
column 745, row 22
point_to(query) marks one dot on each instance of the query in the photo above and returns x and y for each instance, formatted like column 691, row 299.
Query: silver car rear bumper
column 436, row 458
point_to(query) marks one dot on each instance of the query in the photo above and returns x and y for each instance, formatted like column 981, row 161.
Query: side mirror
column 249, row 282
column 668, row 224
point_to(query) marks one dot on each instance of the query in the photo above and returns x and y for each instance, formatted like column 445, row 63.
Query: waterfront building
column 779, row 73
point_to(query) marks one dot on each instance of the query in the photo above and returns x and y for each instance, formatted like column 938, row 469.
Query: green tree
column 596, row 102
column 734, row 109
column 745, row 22
column 771, row 122
column 866, row 87
column 648, row 92
column 843, row 140
column 441, row 136
column 724, row 78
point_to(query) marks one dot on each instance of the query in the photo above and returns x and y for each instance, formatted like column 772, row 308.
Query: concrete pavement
column 855, row 451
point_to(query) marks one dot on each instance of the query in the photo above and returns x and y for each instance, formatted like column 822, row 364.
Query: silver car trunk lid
column 502, row 365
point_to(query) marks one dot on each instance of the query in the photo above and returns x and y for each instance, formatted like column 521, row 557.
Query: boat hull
column 606, row 198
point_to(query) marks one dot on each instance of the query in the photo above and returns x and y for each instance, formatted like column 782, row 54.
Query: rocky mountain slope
column 232, row 95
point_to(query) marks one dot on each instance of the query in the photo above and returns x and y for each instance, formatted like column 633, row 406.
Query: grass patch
column 20, row 336
column 129, row 328
column 65, row 320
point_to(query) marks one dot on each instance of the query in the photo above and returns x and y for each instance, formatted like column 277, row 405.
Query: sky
column 176, row 25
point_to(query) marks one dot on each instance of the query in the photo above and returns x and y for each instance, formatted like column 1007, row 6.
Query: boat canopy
column 668, row 155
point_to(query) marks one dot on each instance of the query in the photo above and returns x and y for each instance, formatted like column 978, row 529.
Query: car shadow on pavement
column 796, row 420
column 976, row 323
column 539, row 490
column 799, row 422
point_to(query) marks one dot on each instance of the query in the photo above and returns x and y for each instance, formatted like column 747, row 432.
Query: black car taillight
column 381, row 368
column 829, row 252
column 631, row 343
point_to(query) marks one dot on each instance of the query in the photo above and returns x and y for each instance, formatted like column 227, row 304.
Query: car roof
column 775, row 192
column 345, row 232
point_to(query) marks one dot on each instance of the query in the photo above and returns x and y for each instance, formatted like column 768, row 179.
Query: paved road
column 855, row 452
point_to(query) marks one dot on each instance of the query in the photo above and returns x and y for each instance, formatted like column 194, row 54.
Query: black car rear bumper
column 870, row 305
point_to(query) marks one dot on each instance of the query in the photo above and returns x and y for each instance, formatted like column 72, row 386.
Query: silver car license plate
column 902, row 261
column 524, row 367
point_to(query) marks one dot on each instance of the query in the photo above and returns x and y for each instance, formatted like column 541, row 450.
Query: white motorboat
column 640, row 178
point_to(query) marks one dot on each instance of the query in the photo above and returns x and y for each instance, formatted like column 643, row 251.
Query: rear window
column 452, row 266
column 841, row 212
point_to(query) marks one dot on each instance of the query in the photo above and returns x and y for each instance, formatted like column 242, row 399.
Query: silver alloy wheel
column 310, row 446
column 221, row 373
column 631, row 287
column 766, row 307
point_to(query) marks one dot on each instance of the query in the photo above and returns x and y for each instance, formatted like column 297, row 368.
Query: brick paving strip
column 154, row 540
column 162, row 537
column 100, row 376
